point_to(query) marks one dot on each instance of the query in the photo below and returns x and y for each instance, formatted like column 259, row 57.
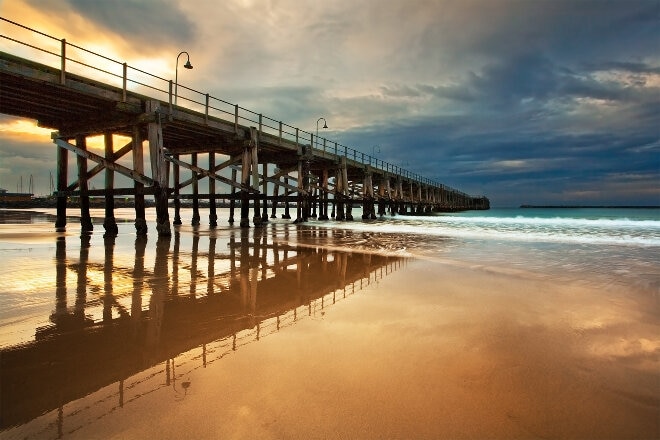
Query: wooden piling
column 138, row 166
column 109, row 223
column 276, row 190
column 287, row 214
column 213, row 215
column 177, row 200
column 264, row 194
column 158, row 170
column 195, row 191
column 62, row 177
column 323, row 215
column 232, row 201
column 85, row 218
column 245, row 183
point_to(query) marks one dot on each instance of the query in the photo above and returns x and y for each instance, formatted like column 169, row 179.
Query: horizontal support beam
column 102, row 192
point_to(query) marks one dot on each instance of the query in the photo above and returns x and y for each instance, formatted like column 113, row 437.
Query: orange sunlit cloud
column 24, row 130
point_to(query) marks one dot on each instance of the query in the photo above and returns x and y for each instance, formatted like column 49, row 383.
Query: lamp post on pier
column 316, row 141
column 325, row 125
column 375, row 149
column 176, row 71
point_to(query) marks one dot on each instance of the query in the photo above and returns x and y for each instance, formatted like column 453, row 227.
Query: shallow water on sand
column 319, row 331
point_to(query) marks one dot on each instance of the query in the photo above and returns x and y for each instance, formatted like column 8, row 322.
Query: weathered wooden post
column 85, row 218
column 301, row 179
column 62, row 177
column 368, row 210
column 195, row 192
column 213, row 215
column 254, row 166
column 177, row 199
column 402, row 197
column 287, row 192
column 245, row 184
column 323, row 207
column 276, row 190
column 314, row 194
column 341, row 184
column 264, row 193
column 109, row 223
column 158, row 170
column 138, row 166
column 349, row 204
column 383, row 192
column 232, row 201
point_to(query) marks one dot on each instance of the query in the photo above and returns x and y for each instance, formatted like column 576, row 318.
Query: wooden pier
column 237, row 155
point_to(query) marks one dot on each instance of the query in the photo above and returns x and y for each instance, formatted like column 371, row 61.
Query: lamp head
column 325, row 124
column 188, row 65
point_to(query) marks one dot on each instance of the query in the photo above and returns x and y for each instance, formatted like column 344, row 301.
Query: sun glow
column 22, row 129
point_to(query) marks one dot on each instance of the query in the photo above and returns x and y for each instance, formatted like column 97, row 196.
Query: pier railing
column 73, row 59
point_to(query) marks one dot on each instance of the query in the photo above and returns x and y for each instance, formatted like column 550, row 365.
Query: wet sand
column 227, row 334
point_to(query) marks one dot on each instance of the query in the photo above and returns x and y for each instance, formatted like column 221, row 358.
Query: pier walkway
column 259, row 160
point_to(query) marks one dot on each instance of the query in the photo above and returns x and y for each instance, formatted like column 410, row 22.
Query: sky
column 524, row 101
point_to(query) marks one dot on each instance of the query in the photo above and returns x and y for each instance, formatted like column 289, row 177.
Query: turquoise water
column 598, row 245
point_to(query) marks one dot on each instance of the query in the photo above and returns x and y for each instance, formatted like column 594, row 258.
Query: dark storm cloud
column 527, row 101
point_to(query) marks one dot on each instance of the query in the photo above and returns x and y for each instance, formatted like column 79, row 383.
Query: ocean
column 607, row 245
column 507, row 323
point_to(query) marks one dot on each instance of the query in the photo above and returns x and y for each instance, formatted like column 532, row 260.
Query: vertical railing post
column 236, row 118
column 124, row 81
column 63, row 63
column 206, row 110
column 170, row 98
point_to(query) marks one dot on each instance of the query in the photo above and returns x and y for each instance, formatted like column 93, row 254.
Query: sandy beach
column 292, row 332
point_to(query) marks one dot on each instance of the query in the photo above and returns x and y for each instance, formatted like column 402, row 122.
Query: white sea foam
column 622, row 232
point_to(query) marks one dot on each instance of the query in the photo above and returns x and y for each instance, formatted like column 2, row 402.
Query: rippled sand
column 249, row 335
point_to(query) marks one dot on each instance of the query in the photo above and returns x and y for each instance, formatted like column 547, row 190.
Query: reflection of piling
column 266, row 286
column 138, row 283
column 108, row 266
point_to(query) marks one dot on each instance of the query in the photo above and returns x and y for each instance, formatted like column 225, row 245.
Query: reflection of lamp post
column 176, row 73
column 325, row 125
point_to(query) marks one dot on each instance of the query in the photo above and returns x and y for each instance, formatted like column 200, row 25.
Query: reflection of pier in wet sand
column 132, row 330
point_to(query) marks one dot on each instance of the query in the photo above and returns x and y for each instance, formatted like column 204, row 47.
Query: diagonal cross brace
column 106, row 163
column 208, row 174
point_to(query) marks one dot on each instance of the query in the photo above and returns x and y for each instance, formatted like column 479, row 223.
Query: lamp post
column 325, row 125
column 176, row 71
column 375, row 149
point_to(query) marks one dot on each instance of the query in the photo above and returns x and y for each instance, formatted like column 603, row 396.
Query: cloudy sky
column 525, row 101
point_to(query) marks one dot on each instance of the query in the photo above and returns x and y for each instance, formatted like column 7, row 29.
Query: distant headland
column 593, row 206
